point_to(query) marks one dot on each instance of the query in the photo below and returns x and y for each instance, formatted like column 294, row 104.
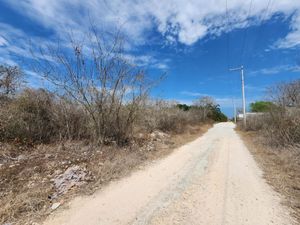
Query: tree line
column 96, row 94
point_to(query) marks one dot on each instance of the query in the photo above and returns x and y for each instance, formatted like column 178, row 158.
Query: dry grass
column 281, row 168
column 26, row 172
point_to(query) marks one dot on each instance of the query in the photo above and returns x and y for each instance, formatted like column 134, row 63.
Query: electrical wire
column 244, row 42
column 230, row 83
column 260, row 31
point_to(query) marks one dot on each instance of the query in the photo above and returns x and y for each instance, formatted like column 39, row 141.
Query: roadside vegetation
column 95, row 122
column 273, row 135
column 261, row 106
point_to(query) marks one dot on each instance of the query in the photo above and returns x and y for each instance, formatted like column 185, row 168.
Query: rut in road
column 212, row 180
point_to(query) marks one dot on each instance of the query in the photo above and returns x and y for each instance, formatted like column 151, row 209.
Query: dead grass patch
column 281, row 168
column 27, row 173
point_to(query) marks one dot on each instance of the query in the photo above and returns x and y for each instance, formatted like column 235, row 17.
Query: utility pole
column 234, row 110
column 243, row 92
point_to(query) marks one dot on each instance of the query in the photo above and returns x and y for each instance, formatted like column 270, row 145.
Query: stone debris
column 150, row 147
column 55, row 205
column 21, row 157
column 73, row 176
column 158, row 135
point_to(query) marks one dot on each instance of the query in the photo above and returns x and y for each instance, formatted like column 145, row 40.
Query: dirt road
column 211, row 181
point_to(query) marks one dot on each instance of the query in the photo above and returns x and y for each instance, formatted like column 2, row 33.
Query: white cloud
column 177, row 21
column 7, row 61
column 14, row 43
column 147, row 61
column 180, row 20
column 276, row 70
column 161, row 66
column 192, row 94
column 3, row 41
column 293, row 38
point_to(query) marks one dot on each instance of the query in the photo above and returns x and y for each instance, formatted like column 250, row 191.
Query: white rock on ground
column 73, row 176
column 55, row 205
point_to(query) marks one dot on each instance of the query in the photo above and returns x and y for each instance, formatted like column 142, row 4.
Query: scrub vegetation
column 273, row 136
column 96, row 121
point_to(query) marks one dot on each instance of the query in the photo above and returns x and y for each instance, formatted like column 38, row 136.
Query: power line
column 260, row 31
column 231, row 84
column 244, row 42
column 242, row 67
column 266, row 11
column 227, row 36
column 245, row 34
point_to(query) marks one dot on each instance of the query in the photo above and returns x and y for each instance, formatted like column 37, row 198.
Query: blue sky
column 194, row 42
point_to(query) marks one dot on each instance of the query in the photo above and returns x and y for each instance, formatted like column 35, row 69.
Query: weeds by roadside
column 47, row 141
column 94, row 123
column 281, row 168
column 28, row 189
column 273, row 136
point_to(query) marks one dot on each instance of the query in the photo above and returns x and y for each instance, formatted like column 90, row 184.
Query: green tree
column 216, row 114
column 184, row 107
column 261, row 106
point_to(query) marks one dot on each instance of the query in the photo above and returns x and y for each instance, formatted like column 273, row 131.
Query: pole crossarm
column 235, row 69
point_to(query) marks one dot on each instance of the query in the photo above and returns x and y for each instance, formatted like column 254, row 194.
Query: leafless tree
column 205, row 103
column 286, row 94
column 97, row 75
column 10, row 79
column 281, row 125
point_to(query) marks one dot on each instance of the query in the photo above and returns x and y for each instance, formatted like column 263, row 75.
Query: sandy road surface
column 211, row 181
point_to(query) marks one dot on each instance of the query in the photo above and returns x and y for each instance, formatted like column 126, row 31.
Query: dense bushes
column 205, row 108
column 280, row 124
column 283, row 126
column 167, row 116
column 28, row 117
column 38, row 116
column 174, row 117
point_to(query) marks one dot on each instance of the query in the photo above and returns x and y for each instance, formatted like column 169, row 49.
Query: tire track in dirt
column 213, row 181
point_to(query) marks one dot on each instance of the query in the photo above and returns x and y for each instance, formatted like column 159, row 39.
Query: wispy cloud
column 16, row 45
column 7, row 61
column 292, row 39
column 192, row 94
column 162, row 66
column 35, row 80
column 178, row 21
column 252, row 88
column 147, row 61
column 276, row 70
column 3, row 41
